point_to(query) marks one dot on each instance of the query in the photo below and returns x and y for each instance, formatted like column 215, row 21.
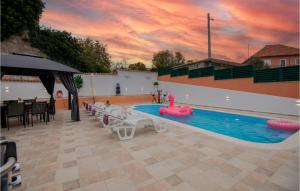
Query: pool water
column 248, row 128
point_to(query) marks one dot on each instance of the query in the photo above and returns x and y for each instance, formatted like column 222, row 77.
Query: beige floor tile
column 173, row 180
column 120, row 183
column 183, row 187
column 156, row 186
column 71, row 185
column 287, row 182
column 66, row 174
column 98, row 186
column 83, row 156
column 159, row 171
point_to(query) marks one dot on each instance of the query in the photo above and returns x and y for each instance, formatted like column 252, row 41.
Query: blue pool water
column 248, row 128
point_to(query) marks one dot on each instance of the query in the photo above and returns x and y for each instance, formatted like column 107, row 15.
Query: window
column 282, row 62
column 297, row 61
column 267, row 62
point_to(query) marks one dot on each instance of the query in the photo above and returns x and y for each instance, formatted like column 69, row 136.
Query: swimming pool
column 248, row 128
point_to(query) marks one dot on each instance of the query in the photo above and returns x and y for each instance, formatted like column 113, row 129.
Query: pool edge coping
column 289, row 143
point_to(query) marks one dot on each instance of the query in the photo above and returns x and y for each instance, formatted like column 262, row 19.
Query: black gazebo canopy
column 47, row 70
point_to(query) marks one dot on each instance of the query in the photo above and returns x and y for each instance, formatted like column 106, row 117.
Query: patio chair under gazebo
column 47, row 70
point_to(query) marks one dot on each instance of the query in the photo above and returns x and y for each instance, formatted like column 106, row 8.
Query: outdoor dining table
column 28, row 107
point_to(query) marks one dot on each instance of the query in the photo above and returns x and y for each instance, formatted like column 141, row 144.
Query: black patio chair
column 15, row 109
column 6, row 102
column 39, row 108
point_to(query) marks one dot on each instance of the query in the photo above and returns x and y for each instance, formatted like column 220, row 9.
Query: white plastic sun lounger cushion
column 135, row 118
column 108, row 109
column 99, row 104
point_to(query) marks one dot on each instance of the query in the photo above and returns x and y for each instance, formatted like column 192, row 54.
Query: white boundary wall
column 139, row 83
column 216, row 97
column 11, row 90
column 131, row 83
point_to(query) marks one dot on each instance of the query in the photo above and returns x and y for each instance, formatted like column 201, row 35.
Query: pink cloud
column 136, row 29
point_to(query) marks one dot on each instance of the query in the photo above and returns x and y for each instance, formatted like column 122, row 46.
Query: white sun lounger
column 106, row 109
column 125, row 128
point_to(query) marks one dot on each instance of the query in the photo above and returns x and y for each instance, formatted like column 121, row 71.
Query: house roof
column 17, row 64
column 277, row 50
column 210, row 60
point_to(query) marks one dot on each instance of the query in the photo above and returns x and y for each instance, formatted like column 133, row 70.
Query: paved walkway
column 67, row 155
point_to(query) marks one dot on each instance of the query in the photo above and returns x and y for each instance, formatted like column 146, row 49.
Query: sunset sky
column 135, row 29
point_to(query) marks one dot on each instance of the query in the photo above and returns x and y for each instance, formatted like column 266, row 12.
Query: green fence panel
column 164, row 71
column 179, row 72
column 242, row 71
column 290, row 73
column 283, row 74
column 201, row 72
column 267, row 75
column 223, row 74
column 194, row 73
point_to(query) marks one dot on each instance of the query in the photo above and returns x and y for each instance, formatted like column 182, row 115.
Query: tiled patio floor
column 67, row 155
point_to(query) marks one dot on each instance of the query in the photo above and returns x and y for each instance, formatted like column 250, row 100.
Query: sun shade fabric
column 48, row 81
column 31, row 63
column 68, row 81
column 13, row 64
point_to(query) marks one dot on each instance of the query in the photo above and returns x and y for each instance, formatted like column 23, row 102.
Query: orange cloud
column 135, row 29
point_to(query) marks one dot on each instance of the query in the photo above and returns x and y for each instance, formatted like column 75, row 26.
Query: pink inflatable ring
column 283, row 125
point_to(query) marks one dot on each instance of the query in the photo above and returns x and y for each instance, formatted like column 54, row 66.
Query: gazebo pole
column 69, row 100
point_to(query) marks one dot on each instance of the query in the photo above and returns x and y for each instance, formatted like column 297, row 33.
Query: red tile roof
column 277, row 50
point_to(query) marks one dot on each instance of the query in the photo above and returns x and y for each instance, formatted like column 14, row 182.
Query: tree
column 18, row 16
column 86, row 55
column 178, row 59
column 78, row 82
column 137, row 66
column 165, row 58
column 60, row 46
column 119, row 65
column 162, row 59
column 257, row 63
column 96, row 55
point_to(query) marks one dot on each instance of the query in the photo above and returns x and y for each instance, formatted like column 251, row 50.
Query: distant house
column 217, row 63
column 278, row 55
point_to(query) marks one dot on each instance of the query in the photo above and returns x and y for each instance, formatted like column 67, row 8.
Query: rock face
column 17, row 44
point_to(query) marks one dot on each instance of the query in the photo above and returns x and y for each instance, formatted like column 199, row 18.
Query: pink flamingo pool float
column 283, row 125
column 175, row 110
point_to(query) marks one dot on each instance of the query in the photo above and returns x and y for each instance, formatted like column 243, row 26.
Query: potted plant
column 78, row 82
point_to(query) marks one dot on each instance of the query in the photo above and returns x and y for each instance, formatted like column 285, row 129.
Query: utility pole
column 208, row 33
column 248, row 49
